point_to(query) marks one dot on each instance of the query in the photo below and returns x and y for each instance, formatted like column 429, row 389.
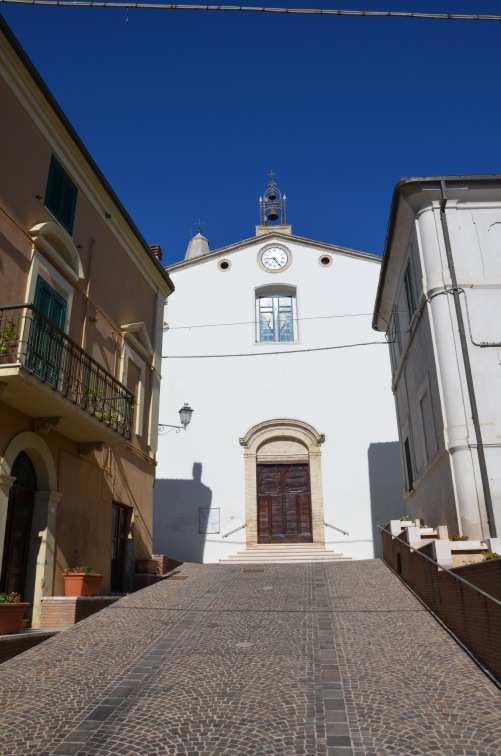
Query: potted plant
column 12, row 611
column 491, row 555
column 82, row 581
column 96, row 401
column 8, row 342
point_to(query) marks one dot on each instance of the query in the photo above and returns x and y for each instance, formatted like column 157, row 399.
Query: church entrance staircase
column 284, row 554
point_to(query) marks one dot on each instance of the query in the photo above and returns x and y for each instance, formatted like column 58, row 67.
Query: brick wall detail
column 473, row 618
column 166, row 563
column 64, row 611
column 18, row 643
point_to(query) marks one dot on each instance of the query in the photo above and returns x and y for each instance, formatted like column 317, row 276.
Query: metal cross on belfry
column 272, row 204
column 199, row 223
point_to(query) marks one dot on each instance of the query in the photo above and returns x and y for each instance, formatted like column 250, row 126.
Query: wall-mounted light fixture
column 185, row 414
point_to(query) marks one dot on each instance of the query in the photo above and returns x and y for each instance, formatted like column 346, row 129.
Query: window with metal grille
column 61, row 196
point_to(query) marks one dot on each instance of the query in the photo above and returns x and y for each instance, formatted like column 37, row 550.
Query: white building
column 439, row 300
column 270, row 341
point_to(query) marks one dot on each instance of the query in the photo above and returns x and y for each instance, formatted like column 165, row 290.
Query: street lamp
column 185, row 414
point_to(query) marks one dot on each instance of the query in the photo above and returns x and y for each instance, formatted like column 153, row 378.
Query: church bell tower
column 272, row 210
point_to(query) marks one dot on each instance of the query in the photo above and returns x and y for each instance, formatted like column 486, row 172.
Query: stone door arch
column 283, row 440
column 18, row 525
column 40, row 566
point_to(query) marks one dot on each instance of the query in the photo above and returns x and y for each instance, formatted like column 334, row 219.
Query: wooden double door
column 284, row 503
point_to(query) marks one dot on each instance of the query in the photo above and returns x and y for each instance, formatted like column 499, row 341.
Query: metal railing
column 440, row 566
column 240, row 527
column 469, row 612
column 29, row 339
column 328, row 525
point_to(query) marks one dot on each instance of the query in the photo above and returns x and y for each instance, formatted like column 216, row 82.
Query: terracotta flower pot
column 82, row 583
column 11, row 617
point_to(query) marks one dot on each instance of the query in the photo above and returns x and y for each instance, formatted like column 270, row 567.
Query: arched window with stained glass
column 275, row 314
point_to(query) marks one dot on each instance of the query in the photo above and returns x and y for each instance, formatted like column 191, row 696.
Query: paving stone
column 333, row 659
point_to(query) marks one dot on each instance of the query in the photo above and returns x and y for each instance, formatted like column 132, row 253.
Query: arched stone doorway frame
column 40, row 572
column 283, row 430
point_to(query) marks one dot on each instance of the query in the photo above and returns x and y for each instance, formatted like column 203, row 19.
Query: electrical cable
column 253, row 322
column 266, row 354
column 291, row 11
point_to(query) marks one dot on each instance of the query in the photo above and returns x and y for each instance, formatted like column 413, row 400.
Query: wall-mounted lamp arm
column 185, row 414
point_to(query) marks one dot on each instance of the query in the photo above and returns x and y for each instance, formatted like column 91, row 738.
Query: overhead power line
column 267, row 354
column 253, row 322
column 168, row 328
column 255, row 9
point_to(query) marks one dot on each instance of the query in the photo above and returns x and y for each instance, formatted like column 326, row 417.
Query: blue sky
column 186, row 112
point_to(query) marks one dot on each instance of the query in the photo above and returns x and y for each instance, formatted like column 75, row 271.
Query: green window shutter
column 61, row 195
column 45, row 344
column 42, row 297
column 54, row 187
column 50, row 303
column 68, row 204
column 58, row 312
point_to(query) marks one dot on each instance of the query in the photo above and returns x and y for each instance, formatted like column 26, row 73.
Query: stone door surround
column 283, row 440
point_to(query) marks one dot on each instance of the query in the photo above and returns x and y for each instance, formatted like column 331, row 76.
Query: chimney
column 156, row 251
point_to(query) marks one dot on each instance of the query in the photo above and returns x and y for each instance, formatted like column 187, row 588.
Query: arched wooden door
column 284, row 503
column 18, row 525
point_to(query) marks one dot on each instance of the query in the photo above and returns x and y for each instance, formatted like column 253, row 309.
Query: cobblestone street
column 331, row 659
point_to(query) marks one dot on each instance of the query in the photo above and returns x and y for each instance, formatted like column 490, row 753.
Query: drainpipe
column 467, row 367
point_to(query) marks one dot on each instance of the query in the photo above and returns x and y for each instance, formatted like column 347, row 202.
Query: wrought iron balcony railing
column 30, row 340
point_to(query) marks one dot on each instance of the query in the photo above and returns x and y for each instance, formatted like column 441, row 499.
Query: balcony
column 45, row 374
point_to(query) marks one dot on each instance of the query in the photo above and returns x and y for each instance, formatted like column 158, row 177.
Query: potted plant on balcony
column 12, row 611
column 8, row 342
column 96, row 401
column 82, row 581
column 491, row 555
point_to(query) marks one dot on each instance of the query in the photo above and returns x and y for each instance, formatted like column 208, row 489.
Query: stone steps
column 289, row 553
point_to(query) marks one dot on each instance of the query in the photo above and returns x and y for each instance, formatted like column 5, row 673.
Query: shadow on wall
column 386, row 488
column 176, row 505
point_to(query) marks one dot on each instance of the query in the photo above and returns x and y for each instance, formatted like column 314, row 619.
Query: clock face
column 274, row 258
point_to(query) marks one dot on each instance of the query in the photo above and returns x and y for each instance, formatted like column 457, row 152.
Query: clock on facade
column 274, row 259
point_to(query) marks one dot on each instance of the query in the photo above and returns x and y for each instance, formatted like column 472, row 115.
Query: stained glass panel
column 275, row 319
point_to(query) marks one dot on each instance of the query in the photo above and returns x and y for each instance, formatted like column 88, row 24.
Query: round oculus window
column 224, row 265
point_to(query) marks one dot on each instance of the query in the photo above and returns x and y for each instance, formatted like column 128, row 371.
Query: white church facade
column 293, row 435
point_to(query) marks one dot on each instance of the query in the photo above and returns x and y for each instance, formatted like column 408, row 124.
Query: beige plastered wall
column 72, row 513
column 112, row 291
column 118, row 285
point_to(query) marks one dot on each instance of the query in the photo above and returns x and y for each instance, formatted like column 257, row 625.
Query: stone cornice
column 412, row 197
column 273, row 236
column 282, row 428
